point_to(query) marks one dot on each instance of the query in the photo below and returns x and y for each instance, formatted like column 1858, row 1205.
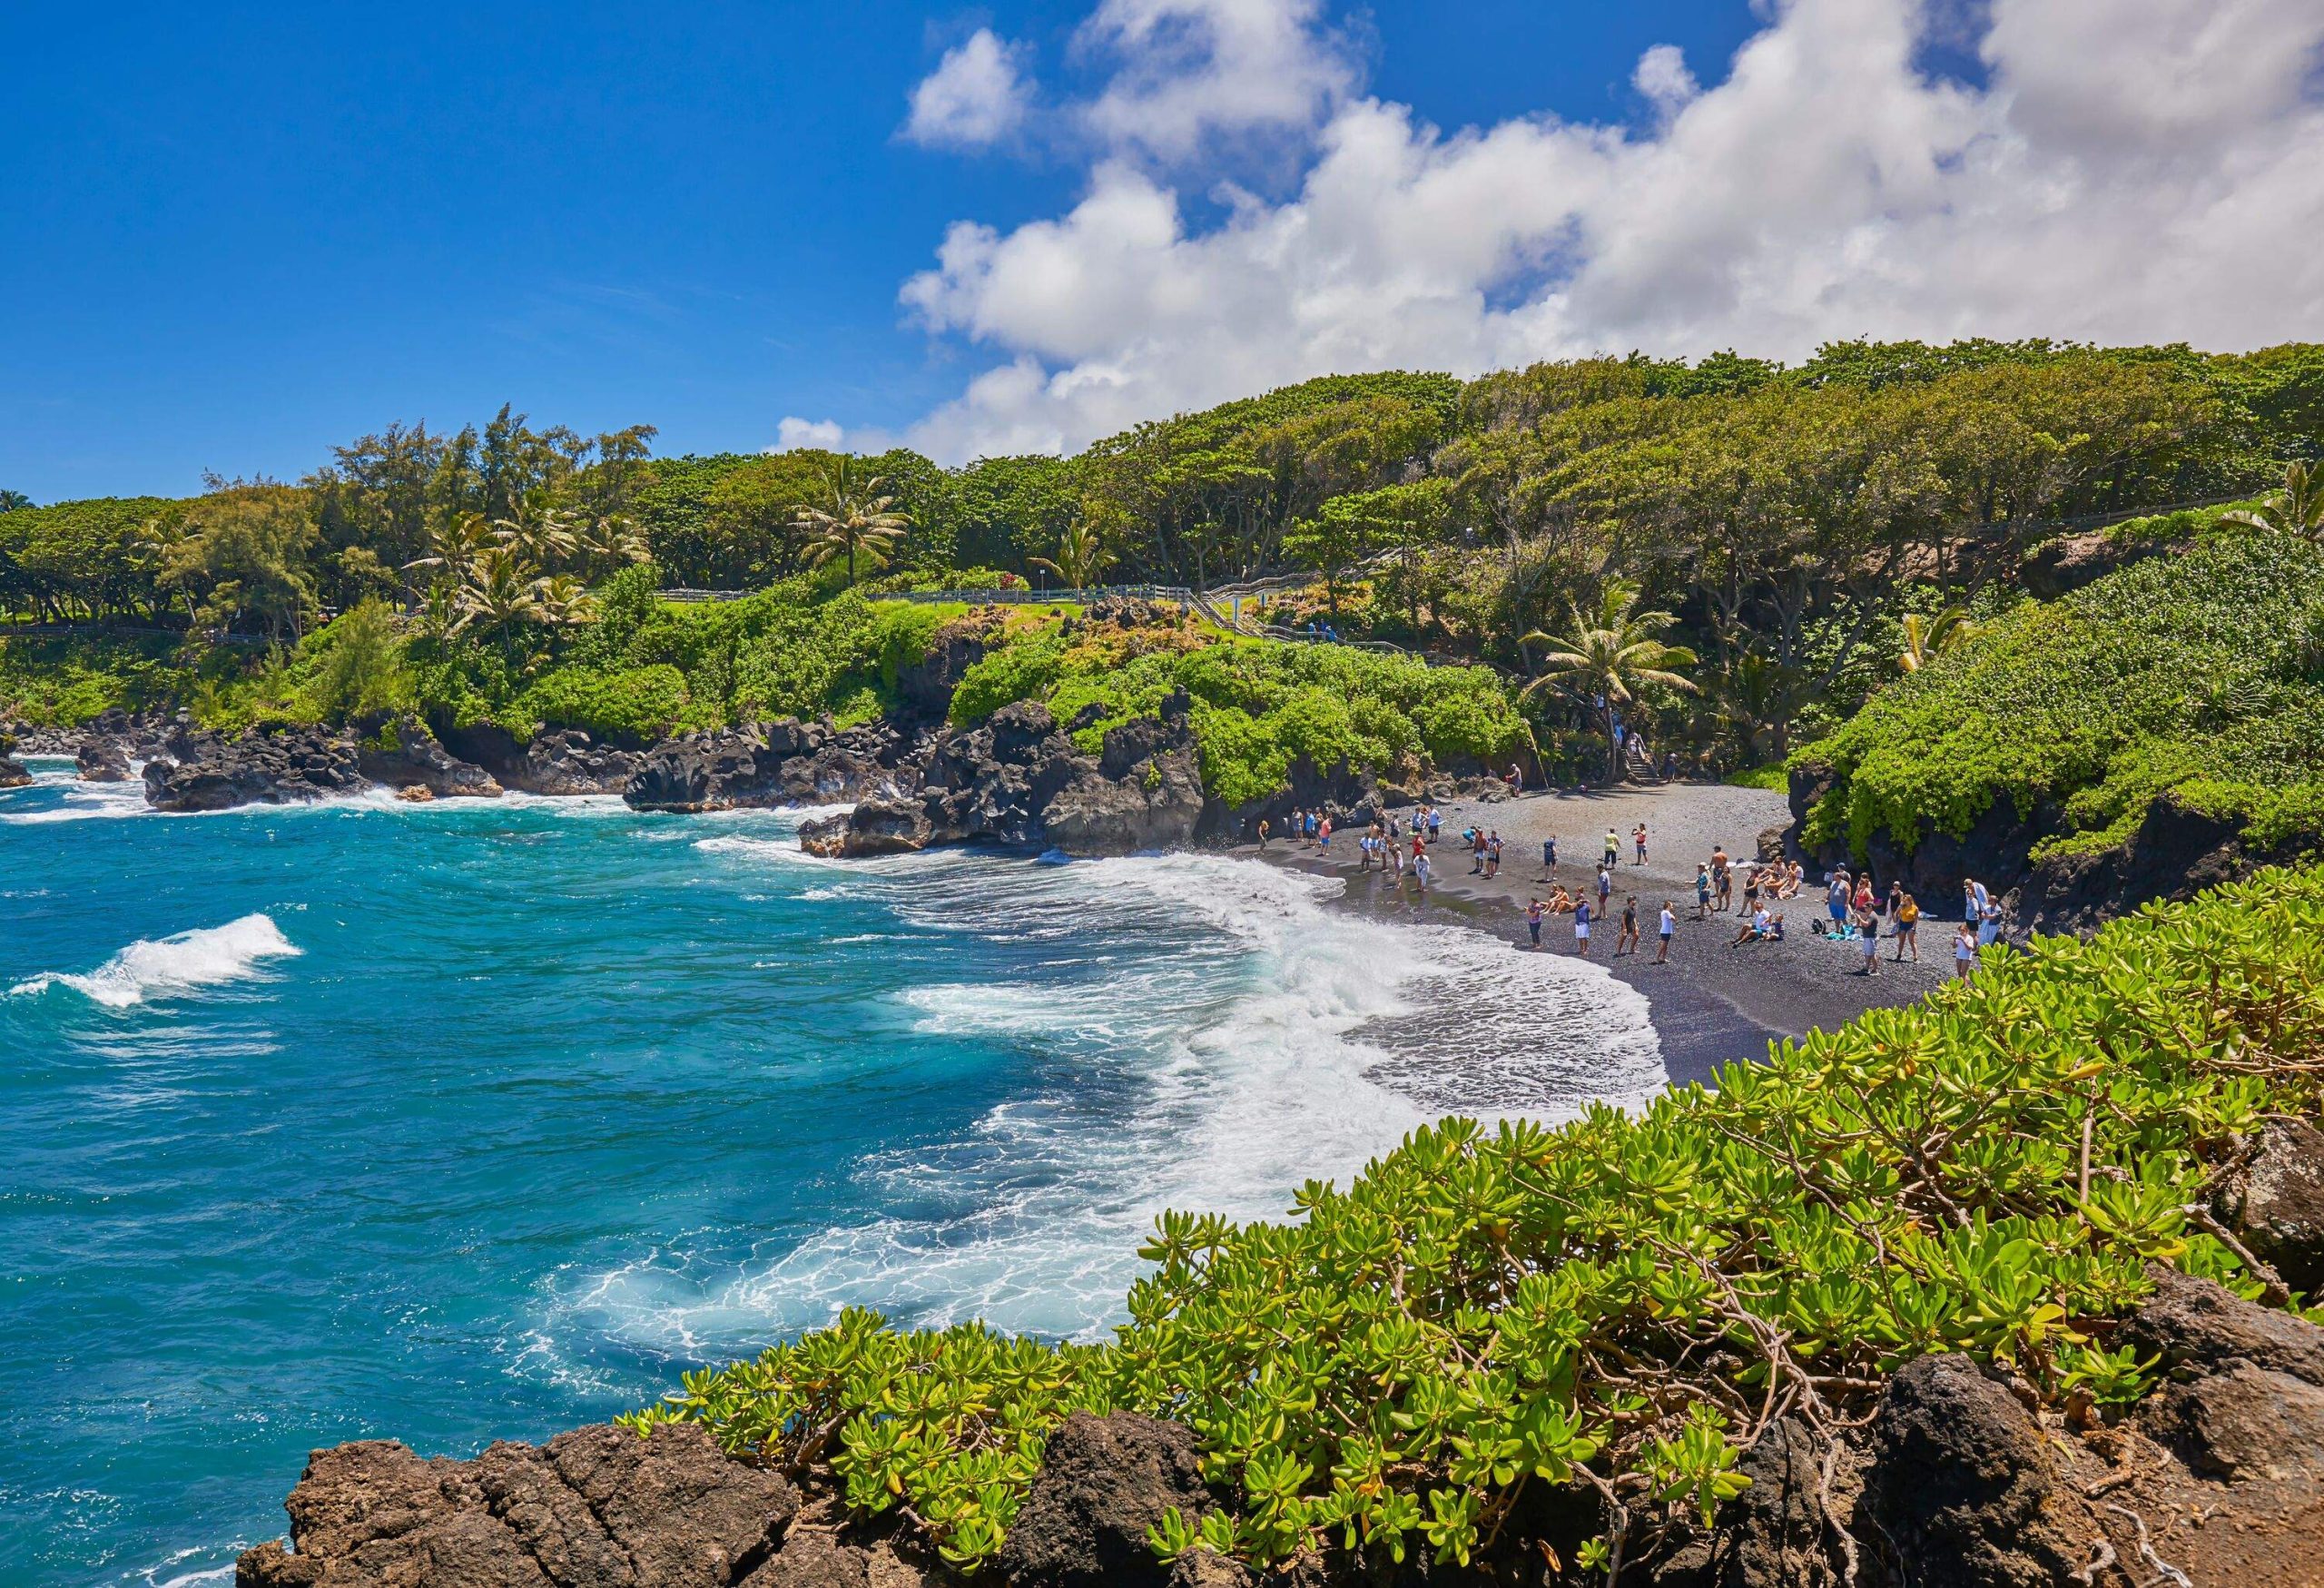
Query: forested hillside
column 1800, row 536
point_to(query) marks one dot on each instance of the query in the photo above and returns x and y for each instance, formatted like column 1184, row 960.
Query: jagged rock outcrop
column 1777, row 1533
column 1019, row 780
column 1103, row 1482
column 13, row 773
column 783, row 762
column 924, row 689
column 196, row 770
column 2275, row 1200
column 1962, row 1484
column 404, row 755
column 103, row 760
column 596, row 1507
column 560, row 761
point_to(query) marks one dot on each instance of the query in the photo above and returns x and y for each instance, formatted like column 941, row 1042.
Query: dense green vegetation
column 1790, row 518
column 1624, row 1302
column 1258, row 707
column 2203, row 673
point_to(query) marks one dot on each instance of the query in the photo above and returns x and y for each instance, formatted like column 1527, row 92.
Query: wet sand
column 1711, row 1003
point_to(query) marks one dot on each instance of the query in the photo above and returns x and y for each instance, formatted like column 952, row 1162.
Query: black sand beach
column 1711, row 1003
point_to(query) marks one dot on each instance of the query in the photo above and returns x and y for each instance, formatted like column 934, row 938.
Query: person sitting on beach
column 1755, row 930
column 1560, row 901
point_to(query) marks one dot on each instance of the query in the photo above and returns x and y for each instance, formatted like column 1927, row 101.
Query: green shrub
column 637, row 706
column 1615, row 1302
column 2174, row 669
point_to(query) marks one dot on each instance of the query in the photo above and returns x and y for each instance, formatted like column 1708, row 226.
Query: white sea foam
column 1289, row 1041
column 80, row 802
column 163, row 967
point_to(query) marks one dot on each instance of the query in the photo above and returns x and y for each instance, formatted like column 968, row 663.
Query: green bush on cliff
column 1259, row 705
column 634, row 705
column 1623, row 1303
column 2208, row 666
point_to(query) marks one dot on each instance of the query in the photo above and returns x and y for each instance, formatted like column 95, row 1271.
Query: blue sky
column 230, row 236
column 236, row 235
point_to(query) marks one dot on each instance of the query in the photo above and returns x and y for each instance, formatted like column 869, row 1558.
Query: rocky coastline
column 2219, row 1476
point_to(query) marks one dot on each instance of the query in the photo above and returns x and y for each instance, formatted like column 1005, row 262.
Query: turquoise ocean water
column 473, row 1121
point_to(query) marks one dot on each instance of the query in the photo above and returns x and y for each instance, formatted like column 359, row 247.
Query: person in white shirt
column 1669, row 924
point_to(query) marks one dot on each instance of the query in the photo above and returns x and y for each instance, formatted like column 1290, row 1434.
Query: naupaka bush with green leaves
column 1626, row 1302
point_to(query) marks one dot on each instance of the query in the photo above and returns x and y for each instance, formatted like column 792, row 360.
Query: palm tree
column 540, row 533
column 1081, row 555
column 454, row 543
column 497, row 588
column 613, row 543
column 1610, row 654
column 2297, row 510
column 1928, row 638
column 856, row 520
column 563, row 600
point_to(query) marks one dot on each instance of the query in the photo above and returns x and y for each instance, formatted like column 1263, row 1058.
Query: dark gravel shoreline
column 1712, row 1005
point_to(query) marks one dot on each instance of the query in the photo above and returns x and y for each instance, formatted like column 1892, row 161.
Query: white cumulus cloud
column 975, row 96
column 1193, row 69
column 2149, row 171
column 793, row 433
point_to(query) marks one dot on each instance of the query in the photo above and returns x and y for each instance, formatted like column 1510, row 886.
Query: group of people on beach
column 1858, row 914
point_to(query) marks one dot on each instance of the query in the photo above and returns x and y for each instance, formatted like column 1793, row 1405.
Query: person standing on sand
column 1581, row 926
column 1868, row 925
column 1973, row 900
column 1669, row 924
column 1989, row 923
column 1837, row 900
column 1492, row 853
column 1605, row 886
column 1722, row 876
column 1613, row 848
column 1626, row 940
column 1909, row 924
column 1965, row 951
column 1549, row 857
column 1638, row 837
column 1420, row 872
column 1263, row 834
column 1324, row 835
column 1533, row 913
column 1435, row 824
column 1702, row 891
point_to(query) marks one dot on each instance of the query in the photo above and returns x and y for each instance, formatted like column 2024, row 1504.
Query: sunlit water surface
column 471, row 1121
